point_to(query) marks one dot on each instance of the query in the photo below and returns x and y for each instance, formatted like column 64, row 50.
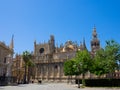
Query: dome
column 71, row 47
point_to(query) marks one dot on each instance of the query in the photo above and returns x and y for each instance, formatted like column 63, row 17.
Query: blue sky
column 31, row 20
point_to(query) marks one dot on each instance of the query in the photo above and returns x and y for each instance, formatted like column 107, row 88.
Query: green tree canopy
column 106, row 60
column 70, row 68
column 100, row 66
column 26, row 57
column 83, row 62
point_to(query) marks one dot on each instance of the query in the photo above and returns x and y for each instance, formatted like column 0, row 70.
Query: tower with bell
column 95, row 42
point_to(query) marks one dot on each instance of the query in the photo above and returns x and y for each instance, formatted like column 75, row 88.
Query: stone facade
column 6, row 56
column 49, row 59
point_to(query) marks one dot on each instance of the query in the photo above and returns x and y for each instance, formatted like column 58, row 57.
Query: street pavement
column 50, row 86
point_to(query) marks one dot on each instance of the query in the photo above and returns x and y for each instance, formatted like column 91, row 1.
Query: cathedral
column 49, row 59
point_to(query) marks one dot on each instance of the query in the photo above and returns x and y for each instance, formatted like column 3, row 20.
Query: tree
column 107, row 60
column 100, row 66
column 78, row 65
column 27, row 60
column 30, row 69
column 113, row 50
column 69, row 68
column 83, row 62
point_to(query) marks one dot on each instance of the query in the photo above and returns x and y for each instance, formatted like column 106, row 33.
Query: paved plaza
column 52, row 86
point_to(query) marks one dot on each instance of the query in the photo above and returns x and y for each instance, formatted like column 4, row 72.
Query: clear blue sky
column 31, row 20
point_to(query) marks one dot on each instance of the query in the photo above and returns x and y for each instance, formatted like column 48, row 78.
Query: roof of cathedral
column 69, row 45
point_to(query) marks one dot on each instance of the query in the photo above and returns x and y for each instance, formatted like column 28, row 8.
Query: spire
column 84, row 44
column 56, row 47
column 52, row 37
column 12, row 42
column 34, row 47
column 34, row 44
column 94, row 32
column 81, row 46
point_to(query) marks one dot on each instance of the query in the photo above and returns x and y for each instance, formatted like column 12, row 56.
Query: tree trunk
column 25, row 75
column 68, row 79
column 71, row 79
column 78, row 83
column 28, row 76
column 83, row 79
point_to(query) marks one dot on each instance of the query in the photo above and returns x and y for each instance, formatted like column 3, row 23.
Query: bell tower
column 95, row 43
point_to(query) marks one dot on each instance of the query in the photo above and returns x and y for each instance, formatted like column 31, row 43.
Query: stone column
column 36, row 72
column 47, row 72
column 41, row 72
column 53, row 72
column 59, row 70
column 9, row 64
